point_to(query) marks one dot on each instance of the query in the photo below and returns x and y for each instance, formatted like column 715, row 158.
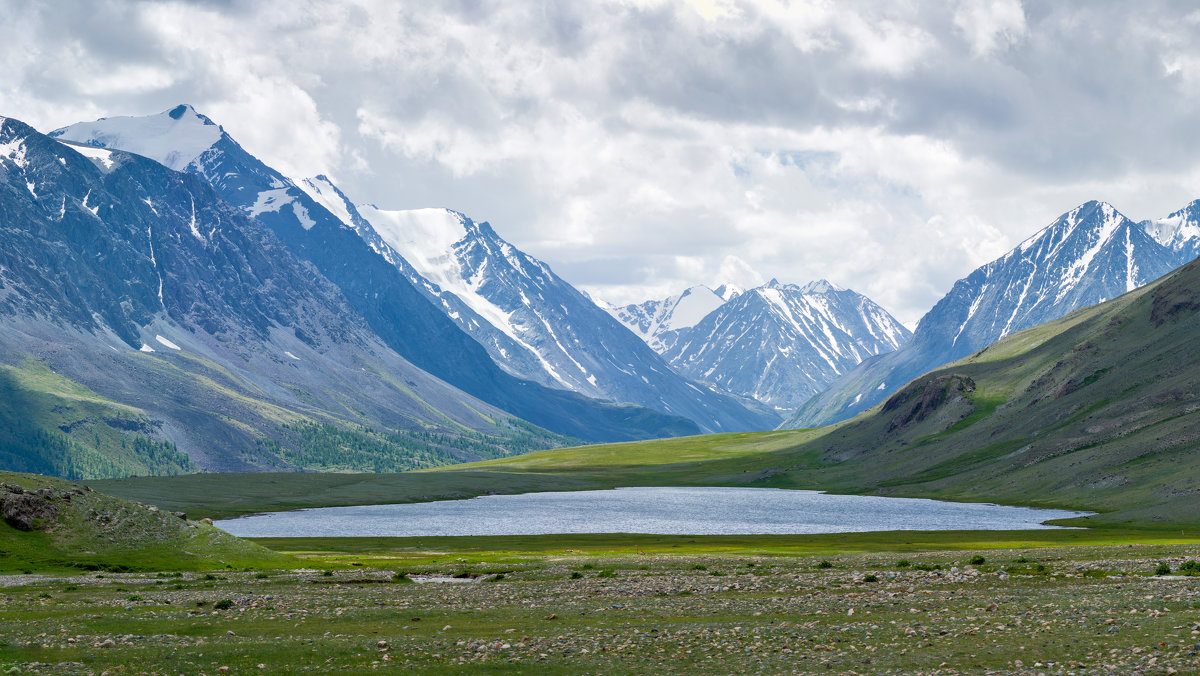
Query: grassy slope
column 52, row 425
column 1097, row 410
column 93, row 531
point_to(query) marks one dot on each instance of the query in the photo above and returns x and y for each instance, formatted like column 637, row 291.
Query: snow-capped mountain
column 532, row 322
column 396, row 311
column 146, row 287
column 782, row 343
column 658, row 322
column 1179, row 232
column 1088, row 255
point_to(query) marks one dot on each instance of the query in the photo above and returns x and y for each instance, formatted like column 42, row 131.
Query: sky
column 643, row 146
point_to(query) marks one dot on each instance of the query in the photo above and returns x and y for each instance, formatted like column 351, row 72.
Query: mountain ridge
column 1089, row 254
column 395, row 310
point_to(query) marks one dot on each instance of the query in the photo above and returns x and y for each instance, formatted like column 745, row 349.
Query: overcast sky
column 640, row 147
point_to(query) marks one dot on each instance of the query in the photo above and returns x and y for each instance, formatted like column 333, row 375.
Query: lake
column 681, row 511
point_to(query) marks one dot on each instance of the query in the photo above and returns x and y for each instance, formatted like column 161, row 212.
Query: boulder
column 27, row 511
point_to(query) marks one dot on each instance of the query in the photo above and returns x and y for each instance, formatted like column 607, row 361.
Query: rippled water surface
column 687, row 511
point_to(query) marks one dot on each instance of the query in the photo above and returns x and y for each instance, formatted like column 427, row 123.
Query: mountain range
column 319, row 225
column 778, row 344
column 1086, row 256
column 150, row 326
column 290, row 316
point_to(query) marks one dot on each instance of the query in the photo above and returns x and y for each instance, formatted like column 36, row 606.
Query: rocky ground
column 1081, row 610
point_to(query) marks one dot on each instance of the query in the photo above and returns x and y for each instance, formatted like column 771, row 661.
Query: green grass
column 96, row 532
column 423, row 551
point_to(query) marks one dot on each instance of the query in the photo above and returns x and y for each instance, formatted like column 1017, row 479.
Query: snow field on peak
column 693, row 305
column 426, row 239
column 173, row 142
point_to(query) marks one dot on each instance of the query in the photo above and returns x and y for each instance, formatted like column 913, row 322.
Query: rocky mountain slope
column 1179, row 232
column 1088, row 255
column 658, row 322
column 373, row 287
column 536, row 324
column 142, row 311
column 782, row 343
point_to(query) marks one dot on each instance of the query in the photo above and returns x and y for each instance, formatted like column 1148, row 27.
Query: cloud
column 642, row 146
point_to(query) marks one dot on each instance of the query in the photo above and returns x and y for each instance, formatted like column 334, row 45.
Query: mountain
column 148, row 326
column 658, row 322
column 782, row 343
column 1088, row 255
column 1179, row 232
column 1097, row 410
column 531, row 321
column 374, row 288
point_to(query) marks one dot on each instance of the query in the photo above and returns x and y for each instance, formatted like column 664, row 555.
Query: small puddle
column 445, row 579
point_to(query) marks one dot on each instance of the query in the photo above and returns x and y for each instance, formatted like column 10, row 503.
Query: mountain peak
column 174, row 138
column 728, row 291
column 820, row 286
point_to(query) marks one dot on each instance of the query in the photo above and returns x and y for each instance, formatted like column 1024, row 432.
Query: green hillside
column 51, row 525
column 52, row 425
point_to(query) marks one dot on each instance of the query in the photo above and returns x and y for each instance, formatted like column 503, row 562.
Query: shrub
column 1162, row 569
column 825, row 564
column 870, row 578
column 903, row 563
column 576, row 575
column 1190, row 568
column 223, row 604
column 402, row 578
column 606, row 573
column 699, row 566
column 977, row 560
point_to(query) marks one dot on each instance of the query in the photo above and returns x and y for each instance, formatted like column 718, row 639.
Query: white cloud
column 989, row 25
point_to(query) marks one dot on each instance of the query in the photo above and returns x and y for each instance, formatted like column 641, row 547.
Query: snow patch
column 15, row 151
column 324, row 193
column 167, row 343
column 101, row 155
column 145, row 348
column 269, row 200
column 289, row 354
column 302, row 215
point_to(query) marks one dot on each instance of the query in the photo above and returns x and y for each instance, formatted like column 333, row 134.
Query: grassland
column 530, row 607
